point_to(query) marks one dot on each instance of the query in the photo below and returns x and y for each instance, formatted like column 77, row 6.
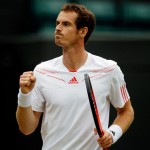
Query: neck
column 74, row 59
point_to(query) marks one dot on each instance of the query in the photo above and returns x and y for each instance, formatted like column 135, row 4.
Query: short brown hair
column 85, row 17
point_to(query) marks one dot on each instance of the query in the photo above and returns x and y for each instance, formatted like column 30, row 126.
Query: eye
column 57, row 23
column 66, row 24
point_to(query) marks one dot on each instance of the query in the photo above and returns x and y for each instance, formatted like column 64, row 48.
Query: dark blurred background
column 122, row 34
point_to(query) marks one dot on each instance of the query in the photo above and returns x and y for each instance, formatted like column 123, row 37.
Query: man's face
column 66, row 33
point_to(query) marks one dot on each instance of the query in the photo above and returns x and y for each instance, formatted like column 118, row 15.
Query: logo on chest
column 73, row 81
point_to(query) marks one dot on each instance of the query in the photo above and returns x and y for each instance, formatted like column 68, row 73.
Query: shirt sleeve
column 118, row 91
column 38, row 101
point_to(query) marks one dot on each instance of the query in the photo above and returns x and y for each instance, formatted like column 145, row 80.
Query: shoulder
column 49, row 65
column 51, row 62
column 101, row 61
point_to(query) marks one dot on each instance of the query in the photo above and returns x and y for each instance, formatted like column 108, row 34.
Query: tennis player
column 56, row 89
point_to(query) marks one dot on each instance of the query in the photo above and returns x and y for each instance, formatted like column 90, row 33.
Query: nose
column 58, row 27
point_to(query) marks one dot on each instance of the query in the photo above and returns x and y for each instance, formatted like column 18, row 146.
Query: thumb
column 95, row 131
column 33, row 80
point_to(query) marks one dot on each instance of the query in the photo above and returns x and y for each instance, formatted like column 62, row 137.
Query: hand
column 106, row 140
column 27, row 82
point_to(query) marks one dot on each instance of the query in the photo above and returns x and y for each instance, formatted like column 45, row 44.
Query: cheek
column 73, row 36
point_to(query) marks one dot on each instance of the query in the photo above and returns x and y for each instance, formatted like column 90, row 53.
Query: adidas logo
column 112, row 132
column 73, row 81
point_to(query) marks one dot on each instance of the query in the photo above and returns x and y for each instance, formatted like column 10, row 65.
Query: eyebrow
column 57, row 21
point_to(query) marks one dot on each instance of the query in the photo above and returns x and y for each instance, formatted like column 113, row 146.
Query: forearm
column 125, row 117
column 122, row 122
column 26, row 120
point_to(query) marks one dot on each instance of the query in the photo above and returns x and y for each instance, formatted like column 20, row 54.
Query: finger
column 28, row 72
column 25, row 79
column 27, row 76
column 105, row 141
column 25, row 82
column 95, row 131
column 105, row 145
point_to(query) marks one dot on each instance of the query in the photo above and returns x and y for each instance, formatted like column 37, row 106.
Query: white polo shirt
column 61, row 95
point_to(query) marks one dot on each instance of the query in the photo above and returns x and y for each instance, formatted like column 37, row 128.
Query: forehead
column 69, row 16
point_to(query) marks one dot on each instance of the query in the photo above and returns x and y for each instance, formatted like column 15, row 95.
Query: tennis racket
column 93, row 105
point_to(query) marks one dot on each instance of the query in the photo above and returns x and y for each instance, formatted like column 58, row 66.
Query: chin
column 58, row 44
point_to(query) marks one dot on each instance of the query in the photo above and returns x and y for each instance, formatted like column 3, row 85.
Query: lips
column 58, row 35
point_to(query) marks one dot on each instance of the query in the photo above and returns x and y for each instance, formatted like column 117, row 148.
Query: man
column 56, row 88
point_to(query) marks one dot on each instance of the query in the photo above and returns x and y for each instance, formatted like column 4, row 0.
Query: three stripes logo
column 73, row 81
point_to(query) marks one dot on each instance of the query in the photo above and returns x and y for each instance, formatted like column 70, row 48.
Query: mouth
column 58, row 35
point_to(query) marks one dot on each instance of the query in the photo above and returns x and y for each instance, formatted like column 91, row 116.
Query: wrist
column 24, row 100
column 115, row 131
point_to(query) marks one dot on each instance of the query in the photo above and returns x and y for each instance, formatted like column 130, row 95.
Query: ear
column 83, row 32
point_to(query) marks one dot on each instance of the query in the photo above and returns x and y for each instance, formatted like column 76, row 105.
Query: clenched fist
column 27, row 82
